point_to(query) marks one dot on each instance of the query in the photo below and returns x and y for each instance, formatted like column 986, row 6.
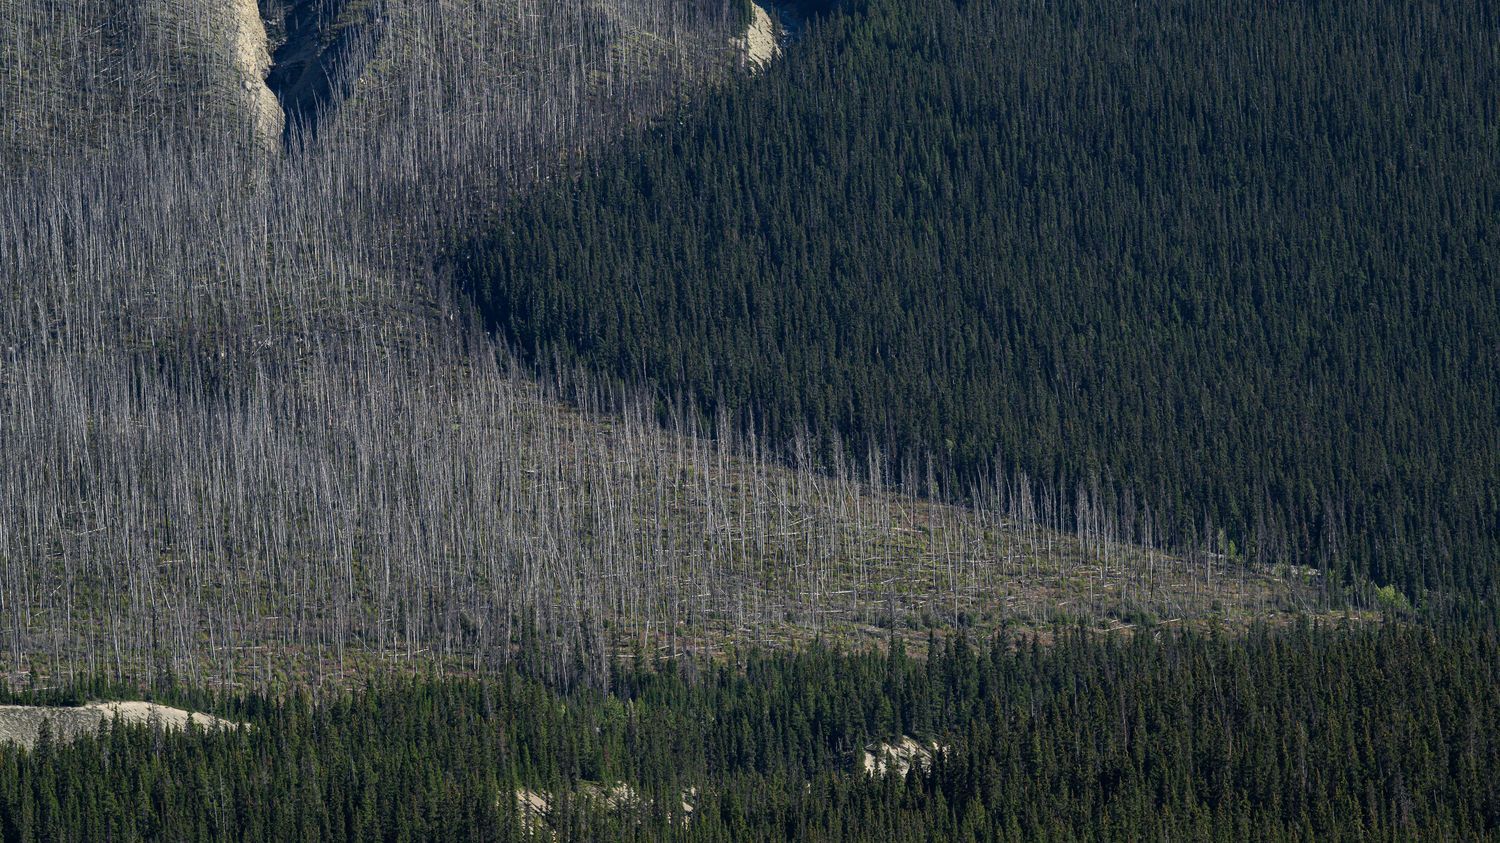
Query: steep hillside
column 96, row 76
column 250, row 435
column 1237, row 266
column 360, row 59
column 190, row 302
column 878, row 420
column 320, row 524
column 99, row 75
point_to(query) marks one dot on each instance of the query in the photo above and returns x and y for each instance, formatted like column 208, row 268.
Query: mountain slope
column 1236, row 266
column 198, row 341
column 249, row 434
column 96, row 75
column 318, row 525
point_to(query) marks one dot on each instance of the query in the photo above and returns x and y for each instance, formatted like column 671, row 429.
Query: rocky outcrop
column 22, row 724
column 320, row 52
column 882, row 759
column 251, row 53
column 761, row 43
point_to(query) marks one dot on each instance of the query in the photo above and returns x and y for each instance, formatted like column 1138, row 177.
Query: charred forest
column 724, row 419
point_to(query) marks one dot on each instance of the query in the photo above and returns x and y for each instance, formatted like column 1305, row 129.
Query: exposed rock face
column 252, row 56
column 320, row 51
column 881, row 759
column 22, row 724
column 761, row 43
column 535, row 806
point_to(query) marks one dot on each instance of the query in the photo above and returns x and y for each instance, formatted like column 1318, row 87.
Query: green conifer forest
column 1237, row 259
column 734, row 420
column 1304, row 734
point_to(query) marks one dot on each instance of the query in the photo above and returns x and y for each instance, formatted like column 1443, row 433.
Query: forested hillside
column 1315, row 734
column 250, row 435
column 890, row 420
column 1236, row 263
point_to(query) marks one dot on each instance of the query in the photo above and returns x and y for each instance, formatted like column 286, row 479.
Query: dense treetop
column 1238, row 260
column 1310, row 734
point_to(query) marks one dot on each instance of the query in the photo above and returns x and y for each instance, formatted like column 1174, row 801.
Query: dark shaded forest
column 1238, row 262
column 981, row 382
column 1309, row 734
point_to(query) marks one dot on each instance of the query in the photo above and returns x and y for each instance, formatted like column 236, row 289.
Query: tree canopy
column 1237, row 261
